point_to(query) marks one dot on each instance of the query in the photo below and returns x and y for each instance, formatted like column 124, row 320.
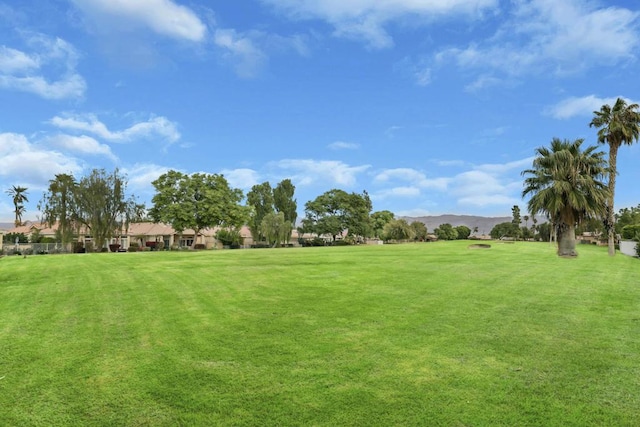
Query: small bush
column 629, row 232
column 260, row 245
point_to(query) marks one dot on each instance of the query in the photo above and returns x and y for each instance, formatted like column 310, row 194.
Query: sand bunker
column 479, row 246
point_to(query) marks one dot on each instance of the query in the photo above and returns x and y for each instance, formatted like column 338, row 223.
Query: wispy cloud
column 242, row 178
column 342, row 145
column 154, row 127
column 416, row 178
column 164, row 17
column 47, row 68
column 306, row 172
column 366, row 20
column 545, row 36
column 141, row 175
column 249, row 51
column 579, row 106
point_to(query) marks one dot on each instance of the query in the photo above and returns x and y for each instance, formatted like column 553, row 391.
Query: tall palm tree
column 618, row 125
column 565, row 184
column 19, row 196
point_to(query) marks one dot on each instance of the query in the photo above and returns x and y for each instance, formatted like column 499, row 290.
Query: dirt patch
column 479, row 246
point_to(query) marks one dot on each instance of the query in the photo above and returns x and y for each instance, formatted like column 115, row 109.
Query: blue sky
column 431, row 106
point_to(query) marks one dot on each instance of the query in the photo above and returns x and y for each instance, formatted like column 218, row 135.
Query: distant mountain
column 484, row 224
column 6, row 225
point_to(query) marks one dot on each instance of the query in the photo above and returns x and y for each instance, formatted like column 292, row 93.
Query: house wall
column 628, row 247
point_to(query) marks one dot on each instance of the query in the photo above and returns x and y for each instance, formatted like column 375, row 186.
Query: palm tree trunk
column 610, row 220
column 567, row 240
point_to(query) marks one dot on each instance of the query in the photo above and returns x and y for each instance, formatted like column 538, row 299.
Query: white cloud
column 141, row 175
column 412, row 176
column 242, row 178
column 396, row 192
column 478, row 186
column 583, row 106
column 366, row 19
column 27, row 162
column 323, row 172
column 342, row 145
column 249, row 51
column 82, row 144
column 164, row 17
column 500, row 168
column 48, row 69
column 155, row 127
column 241, row 50
column 558, row 37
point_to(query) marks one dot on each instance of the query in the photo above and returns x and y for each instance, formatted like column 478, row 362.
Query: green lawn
column 417, row 334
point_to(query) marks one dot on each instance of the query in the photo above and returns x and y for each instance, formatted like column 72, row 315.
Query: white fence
column 628, row 247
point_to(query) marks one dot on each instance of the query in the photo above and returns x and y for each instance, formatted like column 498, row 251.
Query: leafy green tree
column 378, row 220
column 358, row 215
column 419, row 231
column 284, row 202
column 196, row 201
column 275, row 228
column 102, row 206
column 463, row 232
column 98, row 202
column 504, row 229
column 543, row 232
column 565, row 184
column 617, row 126
column 446, row 232
column 18, row 196
column 58, row 207
column 397, row 230
column 336, row 211
column 261, row 201
column 627, row 216
column 516, row 221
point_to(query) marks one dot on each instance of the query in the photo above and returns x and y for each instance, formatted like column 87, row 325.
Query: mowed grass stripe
column 424, row 334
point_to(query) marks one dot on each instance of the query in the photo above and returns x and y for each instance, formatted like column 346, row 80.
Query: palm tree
column 19, row 196
column 565, row 184
column 618, row 125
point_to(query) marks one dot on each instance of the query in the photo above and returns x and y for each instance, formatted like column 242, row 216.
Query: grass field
column 417, row 334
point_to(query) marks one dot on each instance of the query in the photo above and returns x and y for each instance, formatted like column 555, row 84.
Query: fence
column 34, row 249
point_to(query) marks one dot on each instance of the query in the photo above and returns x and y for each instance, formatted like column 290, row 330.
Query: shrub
column 200, row 246
column 260, row 245
column 629, row 232
column 229, row 237
column 133, row 247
